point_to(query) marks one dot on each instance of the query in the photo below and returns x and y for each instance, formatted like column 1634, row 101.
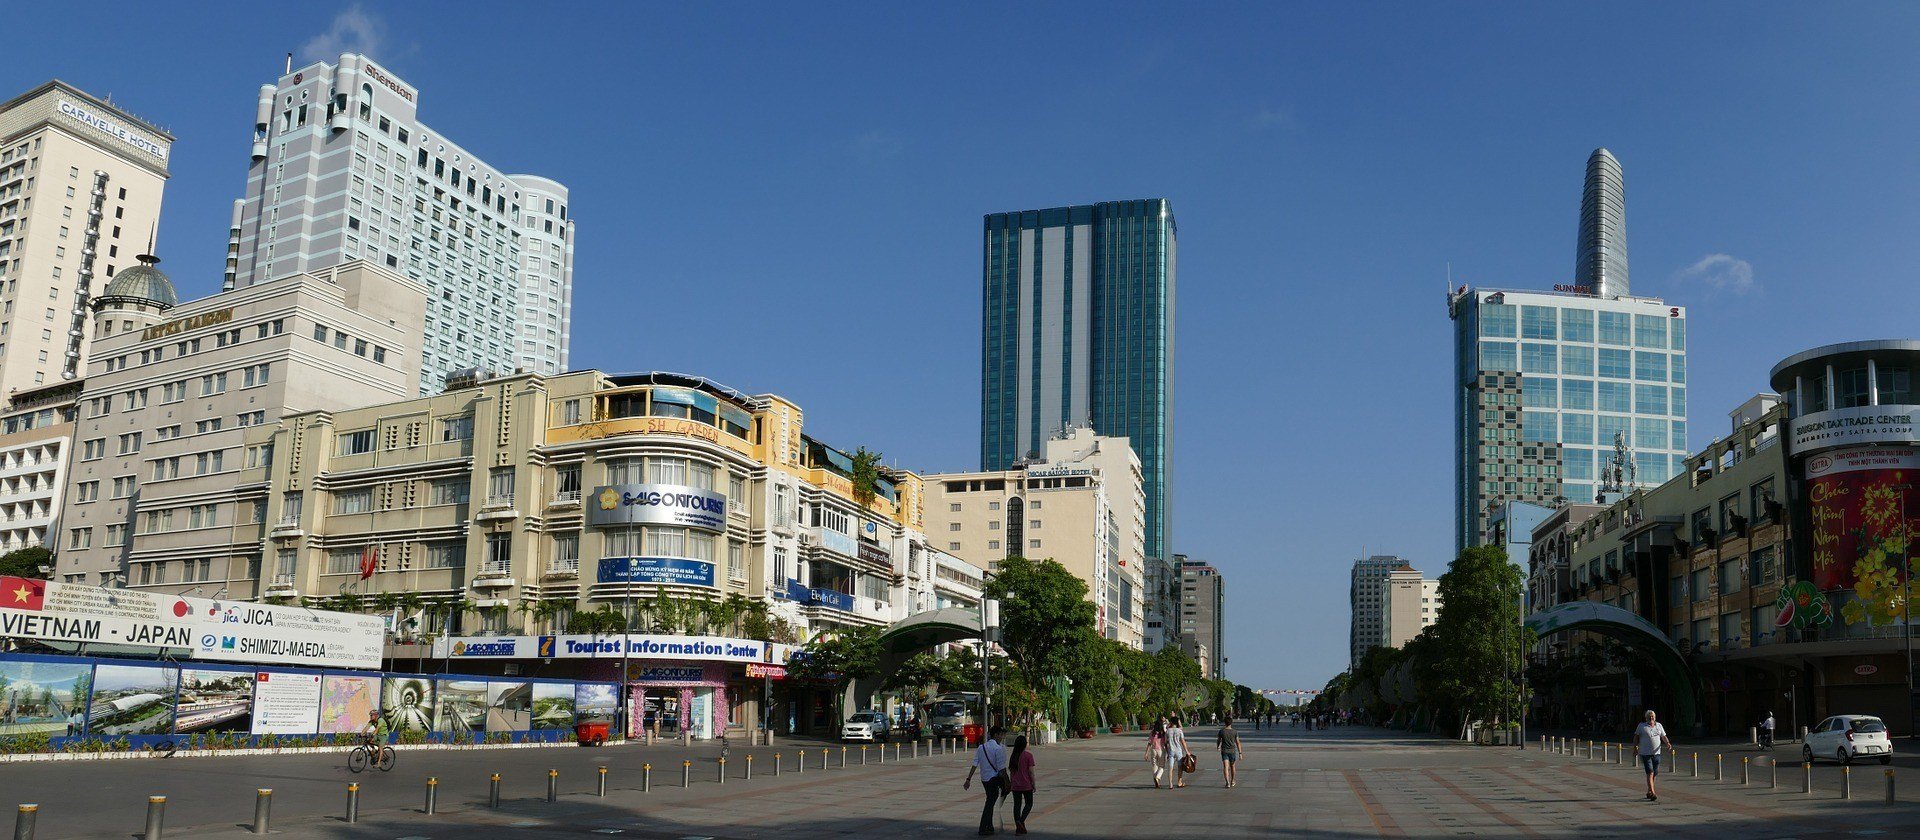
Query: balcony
column 498, row 506
column 281, row 587
column 565, row 499
column 563, row 569
column 494, row 574
column 287, row 527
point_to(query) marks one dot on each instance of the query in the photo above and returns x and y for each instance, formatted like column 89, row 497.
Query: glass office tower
column 1077, row 330
column 1547, row 383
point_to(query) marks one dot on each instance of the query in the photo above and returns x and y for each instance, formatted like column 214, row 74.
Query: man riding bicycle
column 374, row 734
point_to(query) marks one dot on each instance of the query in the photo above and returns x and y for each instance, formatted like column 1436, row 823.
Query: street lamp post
column 989, row 632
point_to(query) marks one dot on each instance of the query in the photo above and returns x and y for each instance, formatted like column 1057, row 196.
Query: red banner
column 1859, row 502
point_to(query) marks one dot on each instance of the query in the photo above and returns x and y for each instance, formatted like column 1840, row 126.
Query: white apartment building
column 1412, row 603
column 36, row 435
column 1082, row 504
column 80, row 188
column 342, row 169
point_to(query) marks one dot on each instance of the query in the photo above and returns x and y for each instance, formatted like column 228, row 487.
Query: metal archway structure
column 1636, row 633
column 916, row 633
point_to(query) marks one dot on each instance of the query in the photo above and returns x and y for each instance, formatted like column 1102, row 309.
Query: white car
column 1849, row 737
column 868, row 726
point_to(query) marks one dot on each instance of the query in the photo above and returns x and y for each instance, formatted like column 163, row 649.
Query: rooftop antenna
column 289, row 62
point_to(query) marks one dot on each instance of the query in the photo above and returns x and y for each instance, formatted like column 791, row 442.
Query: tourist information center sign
column 221, row 631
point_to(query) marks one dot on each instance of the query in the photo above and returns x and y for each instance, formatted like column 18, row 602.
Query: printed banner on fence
column 226, row 631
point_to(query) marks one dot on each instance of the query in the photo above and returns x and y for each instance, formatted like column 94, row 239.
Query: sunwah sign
column 658, row 504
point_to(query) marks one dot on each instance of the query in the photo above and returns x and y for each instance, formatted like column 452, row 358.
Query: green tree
column 866, row 476
column 839, row 658
column 26, row 562
column 1478, row 637
column 1045, row 618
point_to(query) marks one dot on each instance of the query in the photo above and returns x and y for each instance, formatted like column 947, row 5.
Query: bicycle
column 371, row 755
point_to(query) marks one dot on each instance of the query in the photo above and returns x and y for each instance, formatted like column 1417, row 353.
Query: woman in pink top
column 1020, row 774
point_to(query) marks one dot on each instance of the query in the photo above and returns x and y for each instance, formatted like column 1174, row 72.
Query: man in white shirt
column 1649, row 738
column 990, row 761
column 1766, row 732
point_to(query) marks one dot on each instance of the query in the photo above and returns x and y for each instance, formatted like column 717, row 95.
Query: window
column 207, row 463
column 1498, row 355
column 259, row 455
column 123, row 486
column 736, row 566
column 213, row 384
column 737, row 493
column 500, row 485
column 1650, row 331
column 445, row 555
column 116, row 535
column 449, row 491
column 209, row 425
column 499, row 553
column 1537, row 322
column 566, row 552
column 456, row 428
column 250, row 418
column 1702, row 585
column 88, row 491
column 79, row 538
column 1649, row 399
column 1538, row 358
column 255, row 375
column 356, row 443
column 566, row 483
column 1762, row 568
column 954, row 507
column 1758, row 496
column 1498, row 320
column 93, row 450
column 1615, row 364
column 569, row 412
column 1730, row 630
column 130, row 443
column 1730, row 580
column 353, row 501
column 167, row 432
column 1649, row 367
column 342, row 561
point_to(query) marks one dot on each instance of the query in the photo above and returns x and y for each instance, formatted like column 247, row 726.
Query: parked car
column 1848, row 737
column 868, row 726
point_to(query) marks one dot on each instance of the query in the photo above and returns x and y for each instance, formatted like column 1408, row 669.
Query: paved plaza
column 1351, row 782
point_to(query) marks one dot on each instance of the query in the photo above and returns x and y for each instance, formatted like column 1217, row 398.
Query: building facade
column 1410, row 604
column 36, row 439
column 174, row 430
column 1082, row 504
column 1077, row 330
column 80, row 187
column 1600, row 253
column 1203, row 615
column 342, row 169
column 1367, row 598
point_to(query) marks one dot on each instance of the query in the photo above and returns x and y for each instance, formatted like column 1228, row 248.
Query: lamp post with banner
column 989, row 633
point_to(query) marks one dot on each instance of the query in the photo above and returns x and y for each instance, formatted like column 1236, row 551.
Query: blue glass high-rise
column 1077, row 330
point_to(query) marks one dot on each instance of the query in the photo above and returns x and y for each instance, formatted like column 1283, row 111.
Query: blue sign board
column 824, row 597
column 677, row 570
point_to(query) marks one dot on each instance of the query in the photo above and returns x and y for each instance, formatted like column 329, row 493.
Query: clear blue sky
column 788, row 198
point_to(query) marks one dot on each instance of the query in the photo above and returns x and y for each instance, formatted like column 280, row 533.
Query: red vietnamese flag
column 369, row 561
column 22, row 594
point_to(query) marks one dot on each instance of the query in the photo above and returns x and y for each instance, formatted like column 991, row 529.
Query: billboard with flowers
column 1859, row 500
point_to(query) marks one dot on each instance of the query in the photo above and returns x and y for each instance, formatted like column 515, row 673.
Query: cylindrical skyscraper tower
column 1601, row 261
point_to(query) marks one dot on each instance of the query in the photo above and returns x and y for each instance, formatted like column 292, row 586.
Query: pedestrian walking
column 990, row 761
column 1157, row 749
column 1766, row 732
column 1649, row 739
column 1229, row 743
column 1020, row 776
column 1178, row 754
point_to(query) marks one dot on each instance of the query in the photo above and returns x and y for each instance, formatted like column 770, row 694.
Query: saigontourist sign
column 222, row 631
column 657, row 504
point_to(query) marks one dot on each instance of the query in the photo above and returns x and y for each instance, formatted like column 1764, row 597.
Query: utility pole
column 989, row 632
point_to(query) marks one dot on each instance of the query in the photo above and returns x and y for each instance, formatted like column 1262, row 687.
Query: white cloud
column 354, row 30
column 1721, row 273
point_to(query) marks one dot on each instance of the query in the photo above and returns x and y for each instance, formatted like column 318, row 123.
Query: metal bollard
column 686, row 773
column 646, row 777
column 1696, row 765
column 603, row 781
column 1890, row 798
column 1806, row 777
column 776, row 764
column 883, row 753
column 802, row 766
column 1719, row 768
column 1606, row 752
column 843, row 755
column 1743, row 770
column 553, row 785
column 721, row 774
column 1803, row 734
column 493, row 791
column 863, row 756
column 823, row 757
column 156, row 818
column 1773, row 774
column 1753, row 735
column 262, row 809
column 23, row 822
column 749, row 776
column 353, row 802
column 1589, row 749
column 1846, row 782
column 433, row 796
